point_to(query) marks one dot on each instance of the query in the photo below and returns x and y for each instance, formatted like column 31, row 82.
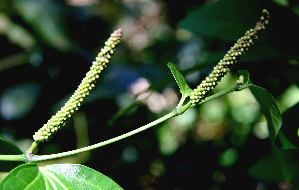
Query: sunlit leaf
column 269, row 108
column 60, row 176
column 8, row 148
column 184, row 88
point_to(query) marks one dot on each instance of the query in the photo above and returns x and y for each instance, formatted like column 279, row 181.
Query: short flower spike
column 86, row 85
column 229, row 60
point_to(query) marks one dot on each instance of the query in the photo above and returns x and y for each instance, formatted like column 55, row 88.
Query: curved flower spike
column 86, row 85
column 229, row 60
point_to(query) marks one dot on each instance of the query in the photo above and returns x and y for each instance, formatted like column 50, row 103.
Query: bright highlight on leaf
column 59, row 176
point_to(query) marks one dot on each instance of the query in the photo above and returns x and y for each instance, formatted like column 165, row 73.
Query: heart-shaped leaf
column 59, row 176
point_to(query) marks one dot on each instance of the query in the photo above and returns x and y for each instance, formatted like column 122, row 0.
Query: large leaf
column 275, row 170
column 288, row 134
column 269, row 108
column 228, row 20
column 60, row 176
column 225, row 19
column 47, row 21
column 8, row 148
column 280, row 166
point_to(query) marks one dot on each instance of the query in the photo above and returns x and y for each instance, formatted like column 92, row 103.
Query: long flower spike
column 224, row 65
column 86, row 85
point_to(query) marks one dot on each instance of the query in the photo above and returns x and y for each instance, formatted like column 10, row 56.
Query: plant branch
column 73, row 152
column 21, row 157
column 177, row 111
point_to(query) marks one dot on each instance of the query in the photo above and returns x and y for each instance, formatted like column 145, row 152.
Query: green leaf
column 225, row 19
column 49, row 25
column 277, row 167
column 282, row 164
column 59, row 176
column 184, row 88
column 269, row 108
column 267, row 169
column 245, row 76
column 8, row 148
column 288, row 133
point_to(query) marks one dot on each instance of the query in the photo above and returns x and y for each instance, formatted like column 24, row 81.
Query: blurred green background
column 48, row 46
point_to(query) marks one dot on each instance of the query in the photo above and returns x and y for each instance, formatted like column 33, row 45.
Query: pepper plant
column 73, row 176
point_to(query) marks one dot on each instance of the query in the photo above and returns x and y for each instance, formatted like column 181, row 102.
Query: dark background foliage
column 48, row 46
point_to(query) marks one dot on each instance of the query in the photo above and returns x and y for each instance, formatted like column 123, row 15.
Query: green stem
column 140, row 129
column 177, row 111
column 222, row 93
column 21, row 157
column 32, row 147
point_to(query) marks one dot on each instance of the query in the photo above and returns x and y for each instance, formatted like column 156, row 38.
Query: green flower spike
column 86, row 85
column 229, row 60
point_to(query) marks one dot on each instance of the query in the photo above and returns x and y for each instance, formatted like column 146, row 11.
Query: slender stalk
column 177, row 111
column 69, row 153
column 21, row 157
column 32, row 147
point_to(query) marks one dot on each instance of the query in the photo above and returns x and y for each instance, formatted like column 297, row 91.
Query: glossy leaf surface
column 59, row 176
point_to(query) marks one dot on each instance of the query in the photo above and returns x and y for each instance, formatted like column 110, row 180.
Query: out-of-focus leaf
column 291, row 74
column 278, row 167
column 17, row 101
column 8, row 148
column 226, row 19
column 288, row 137
column 267, row 169
column 46, row 20
column 60, row 176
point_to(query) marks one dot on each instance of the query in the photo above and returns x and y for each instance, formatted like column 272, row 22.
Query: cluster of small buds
column 86, row 85
column 229, row 60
